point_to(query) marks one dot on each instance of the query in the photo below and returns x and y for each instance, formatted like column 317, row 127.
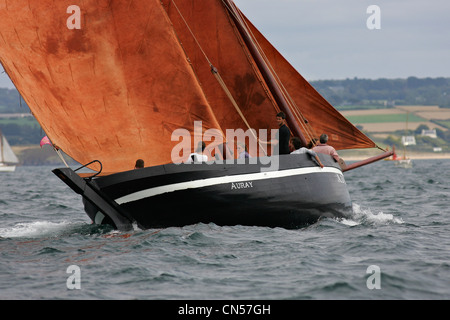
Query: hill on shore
column 378, row 107
column 366, row 93
column 33, row 155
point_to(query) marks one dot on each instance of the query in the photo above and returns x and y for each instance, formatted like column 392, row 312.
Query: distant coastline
column 32, row 155
column 352, row 156
column 37, row 156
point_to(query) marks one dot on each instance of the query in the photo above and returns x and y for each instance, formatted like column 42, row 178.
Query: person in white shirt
column 297, row 146
column 198, row 156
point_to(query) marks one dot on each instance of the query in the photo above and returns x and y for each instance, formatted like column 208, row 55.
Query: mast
column 406, row 136
column 266, row 73
column 2, row 159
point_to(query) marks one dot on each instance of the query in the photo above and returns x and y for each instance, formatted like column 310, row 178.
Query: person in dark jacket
column 283, row 135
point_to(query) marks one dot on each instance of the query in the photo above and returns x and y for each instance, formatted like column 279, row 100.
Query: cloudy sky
column 329, row 39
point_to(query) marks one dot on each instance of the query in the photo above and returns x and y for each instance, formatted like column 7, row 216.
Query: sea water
column 396, row 245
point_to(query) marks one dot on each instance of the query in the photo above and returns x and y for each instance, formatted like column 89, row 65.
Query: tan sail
column 117, row 88
column 114, row 90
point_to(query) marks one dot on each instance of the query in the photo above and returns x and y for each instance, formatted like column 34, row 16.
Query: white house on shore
column 429, row 133
column 408, row 140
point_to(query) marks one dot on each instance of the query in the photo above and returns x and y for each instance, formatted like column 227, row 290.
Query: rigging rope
column 236, row 106
column 219, row 79
column 300, row 118
column 192, row 33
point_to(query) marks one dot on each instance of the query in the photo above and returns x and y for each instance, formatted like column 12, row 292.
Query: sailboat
column 8, row 159
column 404, row 161
column 150, row 79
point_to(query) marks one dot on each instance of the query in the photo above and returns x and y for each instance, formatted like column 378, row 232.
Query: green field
column 444, row 123
column 380, row 118
column 359, row 107
column 21, row 130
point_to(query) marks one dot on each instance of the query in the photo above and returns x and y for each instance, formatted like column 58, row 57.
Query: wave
column 37, row 229
column 365, row 216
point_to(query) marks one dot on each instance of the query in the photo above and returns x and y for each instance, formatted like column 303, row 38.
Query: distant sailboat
column 405, row 161
column 8, row 159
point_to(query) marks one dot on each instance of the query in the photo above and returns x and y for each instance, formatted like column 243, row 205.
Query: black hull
column 298, row 194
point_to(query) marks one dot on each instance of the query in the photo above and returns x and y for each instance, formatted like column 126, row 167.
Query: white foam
column 349, row 222
column 366, row 216
column 34, row 229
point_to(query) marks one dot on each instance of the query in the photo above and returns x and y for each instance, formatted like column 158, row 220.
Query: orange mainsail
column 114, row 90
column 117, row 88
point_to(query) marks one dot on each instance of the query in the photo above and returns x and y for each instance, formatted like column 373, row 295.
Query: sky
column 330, row 39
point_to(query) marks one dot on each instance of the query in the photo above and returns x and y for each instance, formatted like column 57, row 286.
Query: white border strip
column 222, row 180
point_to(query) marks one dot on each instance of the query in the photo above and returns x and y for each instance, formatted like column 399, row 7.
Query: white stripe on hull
column 223, row 180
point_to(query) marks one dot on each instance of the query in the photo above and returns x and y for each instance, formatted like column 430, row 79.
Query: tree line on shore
column 367, row 93
column 340, row 93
